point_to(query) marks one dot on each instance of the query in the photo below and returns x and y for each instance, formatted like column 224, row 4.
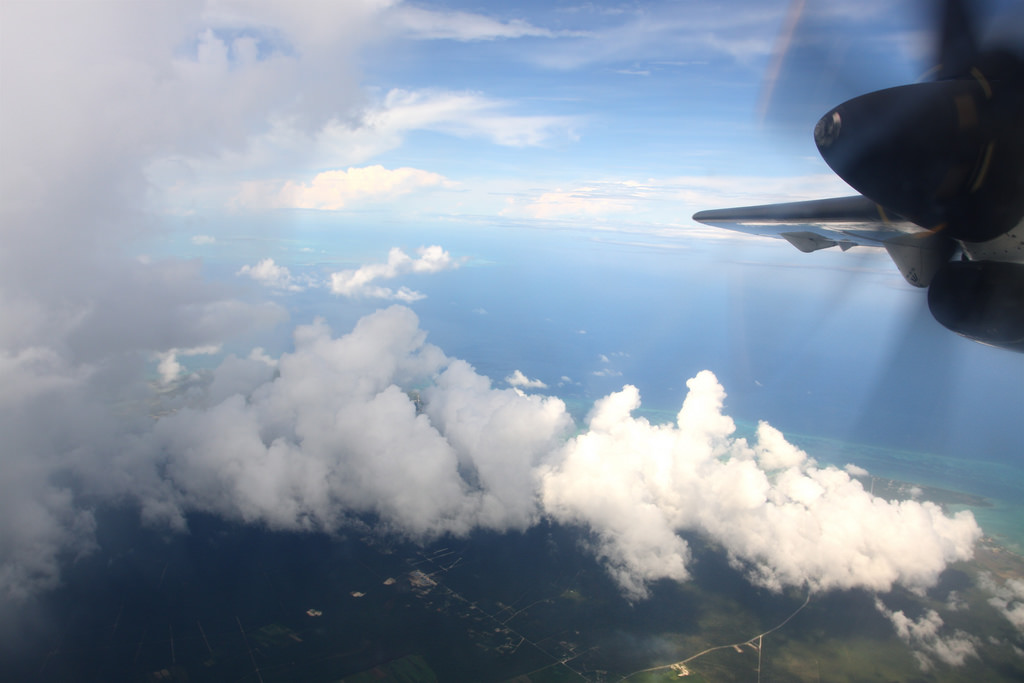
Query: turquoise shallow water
column 1003, row 521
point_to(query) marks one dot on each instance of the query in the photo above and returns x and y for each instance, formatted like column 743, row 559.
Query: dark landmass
column 229, row 602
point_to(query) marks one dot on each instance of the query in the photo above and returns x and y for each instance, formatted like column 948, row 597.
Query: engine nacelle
column 981, row 300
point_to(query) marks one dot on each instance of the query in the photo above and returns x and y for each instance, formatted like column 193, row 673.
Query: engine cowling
column 981, row 300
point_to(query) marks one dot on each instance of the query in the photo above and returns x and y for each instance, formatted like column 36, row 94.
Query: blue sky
column 554, row 100
column 189, row 187
column 476, row 127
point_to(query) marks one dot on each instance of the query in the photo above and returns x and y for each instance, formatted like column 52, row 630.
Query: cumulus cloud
column 360, row 282
column 339, row 433
column 170, row 369
column 774, row 452
column 378, row 428
column 518, row 379
column 924, row 637
column 856, row 470
column 379, row 423
column 272, row 275
column 780, row 517
column 1007, row 598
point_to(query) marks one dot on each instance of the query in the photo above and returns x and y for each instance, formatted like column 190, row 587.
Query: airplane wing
column 842, row 222
column 817, row 224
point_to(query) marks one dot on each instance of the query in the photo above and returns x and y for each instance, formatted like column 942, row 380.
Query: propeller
column 948, row 155
column 819, row 59
column 958, row 41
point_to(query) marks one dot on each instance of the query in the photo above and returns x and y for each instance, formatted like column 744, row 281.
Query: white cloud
column 636, row 485
column 170, row 369
column 774, row 452
column 923, row 636
column 334, row 190
column 359, row 282
column 337, row 434
column 378, row 424
column 272, row 275
column 181, row 181
column 203, row 240
column 518, row 379
column 1008, row 598
column 856, row 470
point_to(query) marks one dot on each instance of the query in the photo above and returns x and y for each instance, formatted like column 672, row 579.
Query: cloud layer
column 377, row 426
column 779, row 515
column 336, row 435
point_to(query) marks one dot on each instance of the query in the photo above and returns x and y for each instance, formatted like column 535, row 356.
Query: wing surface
column 817, row 224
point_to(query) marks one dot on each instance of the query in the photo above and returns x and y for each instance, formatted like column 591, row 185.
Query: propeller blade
column 958, row 47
